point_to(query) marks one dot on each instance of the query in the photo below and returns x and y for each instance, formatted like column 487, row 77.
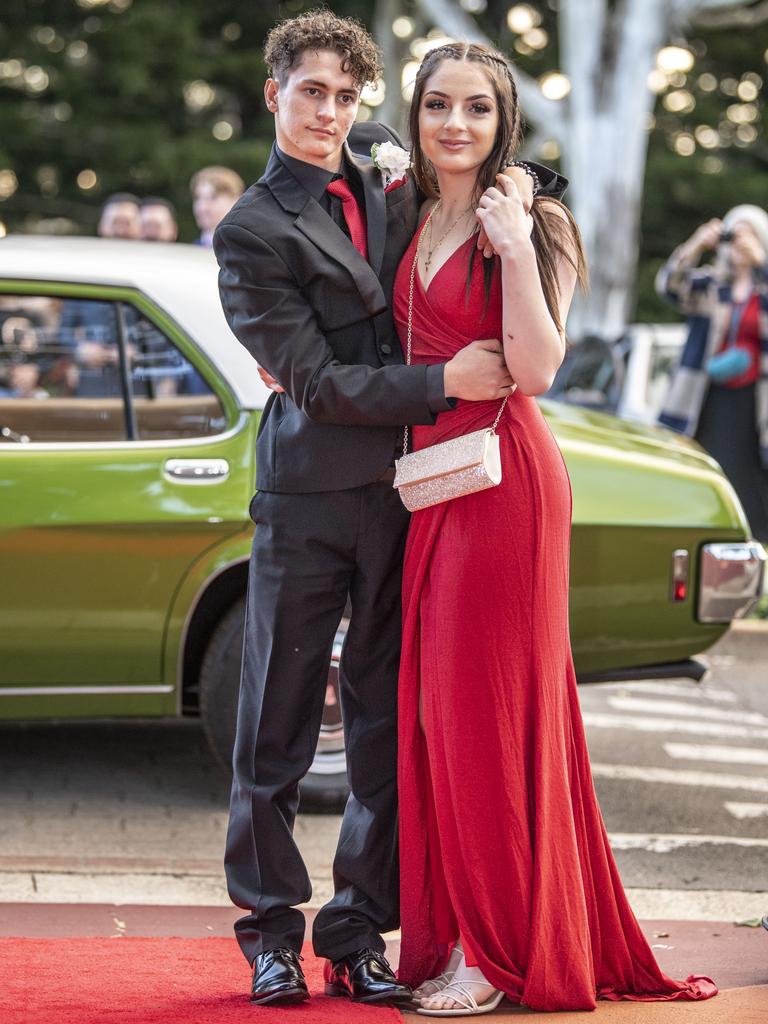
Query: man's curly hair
column 323, row 30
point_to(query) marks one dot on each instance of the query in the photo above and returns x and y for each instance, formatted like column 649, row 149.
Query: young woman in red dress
column 508, row 883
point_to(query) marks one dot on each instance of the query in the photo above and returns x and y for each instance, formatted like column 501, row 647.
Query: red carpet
column 151, row 981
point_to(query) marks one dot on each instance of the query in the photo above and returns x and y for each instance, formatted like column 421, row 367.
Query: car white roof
column 181, row 279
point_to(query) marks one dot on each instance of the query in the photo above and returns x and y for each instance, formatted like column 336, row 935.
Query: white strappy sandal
column 461, row 993
column 433, row 985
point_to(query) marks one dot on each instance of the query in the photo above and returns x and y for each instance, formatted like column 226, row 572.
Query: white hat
column 755, row 216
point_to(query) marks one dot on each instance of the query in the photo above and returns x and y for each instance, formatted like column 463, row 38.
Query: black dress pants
column 310, row 552
column 727, row 430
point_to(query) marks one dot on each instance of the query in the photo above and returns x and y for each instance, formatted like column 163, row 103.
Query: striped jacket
column 705, row 298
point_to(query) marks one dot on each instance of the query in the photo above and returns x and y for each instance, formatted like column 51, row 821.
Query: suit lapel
column 314, row 222
column 375, row 208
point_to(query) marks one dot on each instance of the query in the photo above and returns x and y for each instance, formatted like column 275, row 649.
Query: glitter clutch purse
column 451, row 469
column 463, row 465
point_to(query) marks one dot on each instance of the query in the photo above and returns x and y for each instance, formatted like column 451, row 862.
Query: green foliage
column 115, row 101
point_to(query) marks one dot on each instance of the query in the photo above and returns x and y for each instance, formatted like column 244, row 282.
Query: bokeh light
column 549, row 150
column 374, row 95
column 537, row 39
column 747, row 90
column 198, row 95
column 706, row 136
column 403, row 27
column 742, row 113
column 680, row 101
column 522, row 18
column 8, row 183
column 729, row 86
column 408, row 78
column 657, row 81
column 674, row 58
column 555, row 85
column 87, row 179
column 223, row 131
column 684, row 144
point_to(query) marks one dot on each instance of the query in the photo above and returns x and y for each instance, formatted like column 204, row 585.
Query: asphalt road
column 681, row 771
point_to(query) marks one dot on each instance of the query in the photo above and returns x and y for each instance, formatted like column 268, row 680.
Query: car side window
column 59, row 370
column 170, row 397
column 64, row 375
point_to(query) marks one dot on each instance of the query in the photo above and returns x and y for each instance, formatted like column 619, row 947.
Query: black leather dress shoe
column 278, row 978
column 365, row 977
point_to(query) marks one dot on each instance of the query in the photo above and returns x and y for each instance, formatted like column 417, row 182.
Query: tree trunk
column 608, row 57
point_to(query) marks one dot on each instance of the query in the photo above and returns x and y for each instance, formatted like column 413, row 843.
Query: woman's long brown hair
column 553, row 237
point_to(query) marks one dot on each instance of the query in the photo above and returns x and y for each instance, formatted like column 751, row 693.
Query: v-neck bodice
column 453, row 309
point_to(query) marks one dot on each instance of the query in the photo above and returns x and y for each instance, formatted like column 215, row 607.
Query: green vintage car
column 128, row 420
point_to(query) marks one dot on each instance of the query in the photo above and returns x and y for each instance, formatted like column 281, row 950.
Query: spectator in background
column 214, row 191
column 719, row 393
column 120, row 217
column 158, row 220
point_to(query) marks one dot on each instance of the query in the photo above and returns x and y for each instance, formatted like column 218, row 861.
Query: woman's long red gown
column 501, row 837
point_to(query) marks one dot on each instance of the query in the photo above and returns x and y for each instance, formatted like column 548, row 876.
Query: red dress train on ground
column 501, row 837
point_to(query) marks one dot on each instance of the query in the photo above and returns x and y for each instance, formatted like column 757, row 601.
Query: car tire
column 325, row 786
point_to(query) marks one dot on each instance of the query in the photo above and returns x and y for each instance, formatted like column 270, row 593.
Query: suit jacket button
column 386, row 350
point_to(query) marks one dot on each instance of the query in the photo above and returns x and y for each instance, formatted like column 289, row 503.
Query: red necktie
column 353, row 215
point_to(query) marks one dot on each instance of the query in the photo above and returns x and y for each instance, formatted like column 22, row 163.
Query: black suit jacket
column 317, row 316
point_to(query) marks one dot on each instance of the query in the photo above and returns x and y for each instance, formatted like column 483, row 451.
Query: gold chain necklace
column 432, row 249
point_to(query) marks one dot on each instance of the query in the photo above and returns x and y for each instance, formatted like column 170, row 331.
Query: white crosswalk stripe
column 653, row 842
column 673, row 707
column 675, row 777
column 724, row 742
column 721, row 755
column 726, row 730
column 696, row 691
column 746, row 811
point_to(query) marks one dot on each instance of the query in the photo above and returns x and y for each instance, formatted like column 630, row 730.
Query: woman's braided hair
column 553, row 237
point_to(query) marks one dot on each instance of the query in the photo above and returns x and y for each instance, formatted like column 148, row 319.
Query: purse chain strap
column 409, row 334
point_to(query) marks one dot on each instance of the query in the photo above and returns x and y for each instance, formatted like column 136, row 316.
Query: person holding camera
column 719, row 392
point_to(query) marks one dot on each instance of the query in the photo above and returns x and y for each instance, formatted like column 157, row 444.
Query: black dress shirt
column 315, row 181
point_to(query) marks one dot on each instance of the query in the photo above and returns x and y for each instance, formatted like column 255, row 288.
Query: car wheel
column 325, row 785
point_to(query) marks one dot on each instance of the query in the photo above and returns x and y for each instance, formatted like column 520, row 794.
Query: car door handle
column 196, row 471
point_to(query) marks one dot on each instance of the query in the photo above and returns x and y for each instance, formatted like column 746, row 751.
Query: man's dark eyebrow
column 480, row 96
column 324, row 85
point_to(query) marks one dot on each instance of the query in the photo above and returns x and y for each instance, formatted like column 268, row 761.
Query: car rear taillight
column 680, row 561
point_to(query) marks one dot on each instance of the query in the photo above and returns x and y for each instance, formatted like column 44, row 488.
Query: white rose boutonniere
column 392, row 161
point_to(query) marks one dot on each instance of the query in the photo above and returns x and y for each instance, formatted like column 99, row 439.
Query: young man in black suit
column 313, row 308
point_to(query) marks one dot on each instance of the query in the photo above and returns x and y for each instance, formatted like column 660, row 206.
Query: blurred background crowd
column 213, row 190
